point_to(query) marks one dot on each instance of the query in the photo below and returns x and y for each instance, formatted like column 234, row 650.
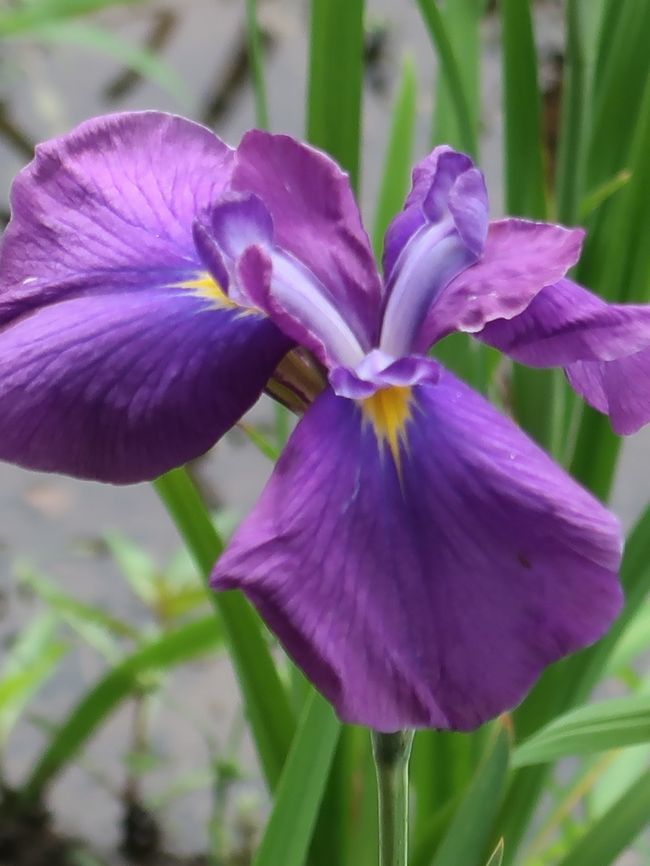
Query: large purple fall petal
column 605, row 348
column 123, row 388
column 120, row 356
column 316, row 220
column 566, row 323
column 620, row 389
column 110, row 206
column 519, row 259
column 434, row 594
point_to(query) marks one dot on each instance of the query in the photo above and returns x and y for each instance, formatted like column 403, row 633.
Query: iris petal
column 431, row 593
column 429, row 200
column 291, row 296
column 121, row 389
column 316, row 221
column 519, row 259
column 120, row 355
column 110, row 206
column 567, row 323
column 618, row 388
column 269, row 278
column 431, row 260
column 440, row 233
column 605, row 348
column 240, row 223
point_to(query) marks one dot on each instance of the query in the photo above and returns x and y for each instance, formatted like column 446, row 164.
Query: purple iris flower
column 418, row 556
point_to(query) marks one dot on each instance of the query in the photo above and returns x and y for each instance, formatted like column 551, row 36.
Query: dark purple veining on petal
column 120, row 356
column 123, row 388
column 109, row 207
column 604, row 348
column 401, row 590
column 565, row 323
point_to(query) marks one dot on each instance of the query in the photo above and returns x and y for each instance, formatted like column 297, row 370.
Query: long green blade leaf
column 497, row 857
column 615, row 830
column 593, row 200
column 628, row 279
column 399, row 155
column 176, row 647
column 301, row 787
column 339, row 818
column 32, row 15
column 623, row 63
column 572, row 128
column 454, row 81
column 335, row 81
column 466, row 839
column 442, row 766
column 592, row 728
column 525, row 193
column 135, row 57
column 634, row 641
column 571, row 682
column 266, row 699
column 462, row 20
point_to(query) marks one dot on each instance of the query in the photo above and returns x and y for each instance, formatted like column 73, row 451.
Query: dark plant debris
column 232, row 82
column 163, row 24
column 27, row 838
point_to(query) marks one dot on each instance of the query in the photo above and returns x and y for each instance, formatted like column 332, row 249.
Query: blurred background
column 87, row 572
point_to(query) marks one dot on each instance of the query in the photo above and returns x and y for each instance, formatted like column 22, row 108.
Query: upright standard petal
column 424, row 578
column 429, row 202
column 316, row 220
column 440, row 233
column 604, row 348
column 110, row 205
column 266, row 277
column 123, row 391
column 519, row 259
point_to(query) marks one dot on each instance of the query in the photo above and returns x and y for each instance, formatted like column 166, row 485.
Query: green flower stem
column 392, row 753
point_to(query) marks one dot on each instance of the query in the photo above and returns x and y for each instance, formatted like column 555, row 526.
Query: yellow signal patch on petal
column 388, row 410
column 207, row 287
